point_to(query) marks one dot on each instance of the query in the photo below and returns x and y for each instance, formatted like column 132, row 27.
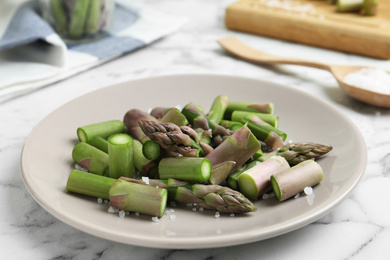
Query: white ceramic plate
column 46, row 162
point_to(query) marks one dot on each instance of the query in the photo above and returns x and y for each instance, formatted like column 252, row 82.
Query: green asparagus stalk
column 135, row 197
column 231, row 125
column 120, row 155
column 173, row 138
column 294, row 180
column 174, row 116
column 102, row 129
column 59, row 16
column 255, row 181
column 185, row 168
column 271, row 136
column 78, row 18
column 370, row 7
column 145, row 166
column 231, row 180
column 100, row 143
column 298, row 152
column 349, row 5
column 258, row 118
column 218, row 108
column 239, row 147
column 93, row 17
column 89, row 184
column 90, row 158
column 260, row 107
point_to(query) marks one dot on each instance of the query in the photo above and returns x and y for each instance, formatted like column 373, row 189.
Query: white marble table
column 359, row 228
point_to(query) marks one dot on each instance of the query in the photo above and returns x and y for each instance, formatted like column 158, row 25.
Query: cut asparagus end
column 151, row 150
column 276, row 188
column 120, row 155
column 247, row 186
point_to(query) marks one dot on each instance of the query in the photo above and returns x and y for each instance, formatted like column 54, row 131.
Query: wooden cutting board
column 314, row 22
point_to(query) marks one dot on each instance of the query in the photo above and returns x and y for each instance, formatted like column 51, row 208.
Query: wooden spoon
column 238, row 48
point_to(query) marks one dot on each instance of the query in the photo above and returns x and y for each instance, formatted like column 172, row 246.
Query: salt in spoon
column 238, row 48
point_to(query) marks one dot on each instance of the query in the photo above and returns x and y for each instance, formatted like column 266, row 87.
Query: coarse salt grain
column 136, row 213
column 155, row 219
column 100, row 200
column 265, row 196
column 377, row 80
column 122, row 214
column 232, row 215
column 308, row 190
column 217, row 214
column 201, row 209
column 146, row 180
column 172, row 217
column 194, row 209
column 297, row 196
column 110, row 209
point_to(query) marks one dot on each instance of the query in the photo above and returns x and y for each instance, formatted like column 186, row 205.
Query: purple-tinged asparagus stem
column 220, row 172
column 159, row 112
column 239, row 147
column 255, row 181
column 174, row 116
column 134, row 197
column 90, row 158
column 294, row 180
column 260, row 107
column 195, row 116
column 258, row 118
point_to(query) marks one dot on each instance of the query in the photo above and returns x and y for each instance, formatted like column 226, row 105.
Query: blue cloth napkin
column 29, row 44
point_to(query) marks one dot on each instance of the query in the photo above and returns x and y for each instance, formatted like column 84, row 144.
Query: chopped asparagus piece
column 93, row 17
column 260, row 107
column 89, row 184
column 258, row 118
column 174, row 116
column 185, row 168
column 218, row 108
column 90, row 158
column 239, row 147
column 255, row 181
column 102, row 129
column 220, row 172
column 120, row 155
column 100, row 143
column 292, row 181
column 135, row 197
column 145, row 166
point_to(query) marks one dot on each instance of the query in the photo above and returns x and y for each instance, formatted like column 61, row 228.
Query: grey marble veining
column 359, row 228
